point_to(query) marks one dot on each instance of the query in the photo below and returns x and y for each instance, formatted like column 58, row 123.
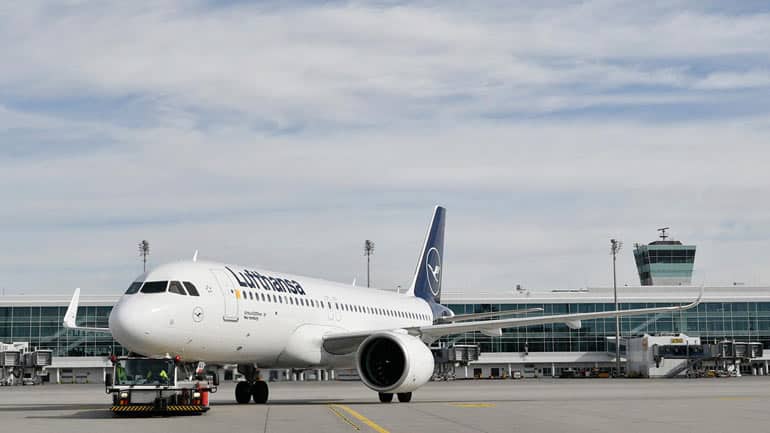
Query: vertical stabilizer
column 427, row 278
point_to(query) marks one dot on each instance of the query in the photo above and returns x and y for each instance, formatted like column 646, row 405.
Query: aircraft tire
column 404, row 397
column 386, row 397
column 260, row 392
column 242, row 392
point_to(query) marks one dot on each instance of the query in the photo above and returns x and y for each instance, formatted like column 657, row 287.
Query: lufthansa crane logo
column 198, row 314
column 433, row 270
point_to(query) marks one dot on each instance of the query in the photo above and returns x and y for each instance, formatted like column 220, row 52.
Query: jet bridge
column 673, row 355
column 20, row 366
column 449, row 357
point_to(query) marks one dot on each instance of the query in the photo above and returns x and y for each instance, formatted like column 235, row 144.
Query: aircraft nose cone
column 129, row 326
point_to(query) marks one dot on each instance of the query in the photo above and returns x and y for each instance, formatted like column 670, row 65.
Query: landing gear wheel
column 404, row 397
column 386, row 397
column 242, row 392
column 259, row 391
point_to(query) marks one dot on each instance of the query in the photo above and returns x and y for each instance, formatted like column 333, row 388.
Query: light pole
column 615, row 246
column 368, row 251
column 144, row 251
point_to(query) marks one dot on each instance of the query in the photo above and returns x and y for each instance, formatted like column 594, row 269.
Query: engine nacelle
column 393, row 362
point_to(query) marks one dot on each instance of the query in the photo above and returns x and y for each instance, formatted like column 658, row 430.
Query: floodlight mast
column 615, row 246
column 368, row 251
column 144, row 251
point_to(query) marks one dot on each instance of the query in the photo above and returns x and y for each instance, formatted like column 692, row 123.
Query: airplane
column 222, row 313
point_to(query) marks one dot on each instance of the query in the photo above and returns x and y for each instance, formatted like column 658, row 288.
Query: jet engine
column 393, row 362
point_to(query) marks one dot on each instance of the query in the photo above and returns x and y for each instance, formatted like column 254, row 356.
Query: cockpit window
column 191, row 288
column 134, row 287
column 176, row 287
column 154, row 287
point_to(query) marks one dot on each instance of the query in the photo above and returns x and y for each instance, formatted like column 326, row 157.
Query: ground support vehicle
column 159, row 386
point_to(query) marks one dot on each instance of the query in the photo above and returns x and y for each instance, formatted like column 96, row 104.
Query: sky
column 283, row 134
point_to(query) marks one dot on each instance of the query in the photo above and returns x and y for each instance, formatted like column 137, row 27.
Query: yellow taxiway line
column 376, row 427
column 344, row 418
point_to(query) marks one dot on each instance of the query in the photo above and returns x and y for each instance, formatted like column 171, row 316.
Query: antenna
column 663, row 235
column 144, row 251
column 368, row 251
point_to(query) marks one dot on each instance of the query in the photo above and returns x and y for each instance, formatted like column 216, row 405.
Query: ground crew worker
column 164, row 376
column 121, row 374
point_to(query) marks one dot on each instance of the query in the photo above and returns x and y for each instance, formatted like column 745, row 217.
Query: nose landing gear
column 252, row 387
column 259, row 392
column 243, row 392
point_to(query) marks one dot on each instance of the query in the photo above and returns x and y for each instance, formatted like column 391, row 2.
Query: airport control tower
column 665, row 262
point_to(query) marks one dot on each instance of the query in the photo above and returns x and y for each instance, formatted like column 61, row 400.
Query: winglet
column 697, row 301
column 195, row 256
column 70, row 317
column 700, row 294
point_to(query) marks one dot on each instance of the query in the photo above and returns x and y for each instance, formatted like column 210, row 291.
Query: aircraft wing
column 346, row 342
column 70, row 317
column 475, row 316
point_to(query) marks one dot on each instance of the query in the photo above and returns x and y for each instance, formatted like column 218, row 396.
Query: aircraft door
column 228, row 293
column 330, row 306
column 336, row 306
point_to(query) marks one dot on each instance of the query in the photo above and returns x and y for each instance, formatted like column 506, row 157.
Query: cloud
column 284, row 134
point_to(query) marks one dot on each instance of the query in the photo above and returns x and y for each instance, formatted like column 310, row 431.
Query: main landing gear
column 403, row 397
column 252, row 387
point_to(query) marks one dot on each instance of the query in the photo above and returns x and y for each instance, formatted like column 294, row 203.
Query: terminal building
column 740, row 313
column 733, row 313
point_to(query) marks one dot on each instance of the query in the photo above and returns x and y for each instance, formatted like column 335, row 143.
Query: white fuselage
column 247, row 315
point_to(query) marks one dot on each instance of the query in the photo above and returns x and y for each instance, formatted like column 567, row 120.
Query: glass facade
column 41, row 326
column 713, row 321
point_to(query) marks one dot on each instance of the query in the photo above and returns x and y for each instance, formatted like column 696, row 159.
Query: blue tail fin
column 427, row 277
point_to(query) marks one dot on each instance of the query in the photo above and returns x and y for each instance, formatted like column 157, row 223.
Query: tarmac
column 528, row 405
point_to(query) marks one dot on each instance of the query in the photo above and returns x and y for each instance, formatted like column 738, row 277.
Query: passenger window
column 191, row 288
column 154, row 287
column 176, row 287
column 133, row 288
